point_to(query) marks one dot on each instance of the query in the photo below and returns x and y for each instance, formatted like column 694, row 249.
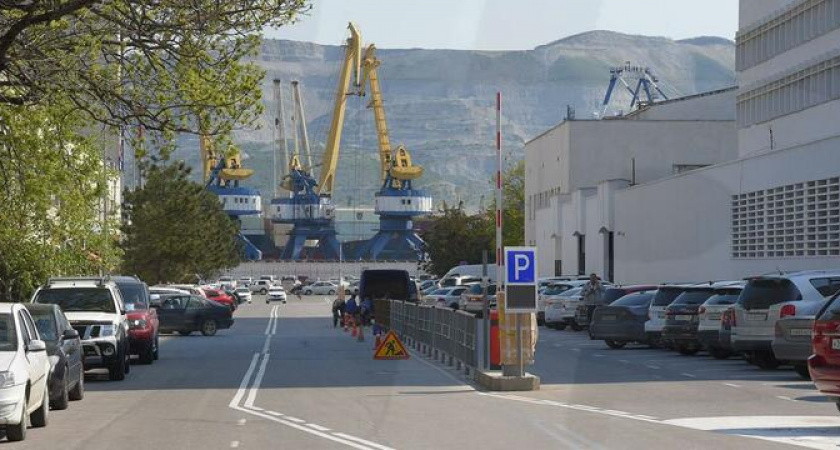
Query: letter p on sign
column 521, row 265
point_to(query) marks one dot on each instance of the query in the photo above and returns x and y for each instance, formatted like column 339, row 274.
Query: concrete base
column 495, row 381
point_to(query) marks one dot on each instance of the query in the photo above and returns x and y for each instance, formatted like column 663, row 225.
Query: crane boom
column 351, row 67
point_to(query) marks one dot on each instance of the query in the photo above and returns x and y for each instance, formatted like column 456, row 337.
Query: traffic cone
column 377, row 341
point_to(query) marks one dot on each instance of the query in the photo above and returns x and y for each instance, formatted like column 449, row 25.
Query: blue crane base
column 252, row 253
column 395, row 240
column 327, row 242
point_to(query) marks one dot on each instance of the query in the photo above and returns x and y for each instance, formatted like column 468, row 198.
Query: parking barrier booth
column 443, row 334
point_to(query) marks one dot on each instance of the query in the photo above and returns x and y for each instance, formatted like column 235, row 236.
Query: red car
column 220, row 296
column 824, row 363
column 143, row 324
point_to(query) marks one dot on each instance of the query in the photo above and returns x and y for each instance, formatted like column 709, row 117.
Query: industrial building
column 769, row 199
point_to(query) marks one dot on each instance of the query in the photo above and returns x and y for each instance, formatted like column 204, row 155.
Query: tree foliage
column 51, row 185
column 174, row 229
column 169, row 65
column 454, row 236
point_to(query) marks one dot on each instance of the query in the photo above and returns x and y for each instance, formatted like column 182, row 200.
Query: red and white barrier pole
column 499, row 196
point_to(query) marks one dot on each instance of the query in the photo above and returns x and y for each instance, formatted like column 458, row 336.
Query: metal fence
column 440, row 333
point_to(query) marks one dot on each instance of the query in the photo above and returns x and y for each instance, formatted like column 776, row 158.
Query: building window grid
column 815, row 85
column 796, row 220
column 801, row 23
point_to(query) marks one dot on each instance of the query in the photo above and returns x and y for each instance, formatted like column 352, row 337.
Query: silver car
column 767, row 299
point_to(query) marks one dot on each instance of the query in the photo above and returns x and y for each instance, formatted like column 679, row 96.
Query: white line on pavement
column 686, row 374
column 732, row 385
column 244, row 384
column 362, row 441
column 234, row 444
column 270, row 320
column 295, row 419
column 653, row 367
column 305, row 429
column 317, row 427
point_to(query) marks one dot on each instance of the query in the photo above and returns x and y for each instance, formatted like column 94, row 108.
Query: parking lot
column 284, row 376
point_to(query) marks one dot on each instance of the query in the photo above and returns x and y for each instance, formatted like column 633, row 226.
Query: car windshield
column 666, row 296
column 572, row 292
column 133, row 295
column 8, row 335
column 832, row 309
column 612, row 294
column 763, row 293
column 636, row 299
column 555, row 289
column 242, row 289
column 78, row 299
column 693, row 297
column 728, row 297
column 45, row 323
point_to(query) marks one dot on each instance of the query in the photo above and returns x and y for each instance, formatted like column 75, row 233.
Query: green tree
column 455, row 236
column 513, row 226
column 52, row 183
column 174, row 229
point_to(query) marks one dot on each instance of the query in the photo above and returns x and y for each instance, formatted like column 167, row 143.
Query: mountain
column 440, row 103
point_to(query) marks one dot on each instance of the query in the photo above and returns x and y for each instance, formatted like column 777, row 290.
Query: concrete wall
column 752, row 11
column 712, row 106
column 680, row 228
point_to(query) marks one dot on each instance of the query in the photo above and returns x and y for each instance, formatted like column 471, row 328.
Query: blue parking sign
column 521, row 264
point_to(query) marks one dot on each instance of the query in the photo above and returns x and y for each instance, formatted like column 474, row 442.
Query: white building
column 774, row 206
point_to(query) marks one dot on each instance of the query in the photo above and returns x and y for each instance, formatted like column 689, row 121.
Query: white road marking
column 785, row 397
column 234, row 444
column 598, row 355
column 295, row 419
column 362, row 441
column 249, row 402
column 276, row 319
column 241, row 422
column 686, row 374
column 653, row 367
column 317, row 427
column 732, row 385
column 275, row 413
column 817, row 432
column 270, row 320
column 575, row 349
column 244, row 384
column 303, row 428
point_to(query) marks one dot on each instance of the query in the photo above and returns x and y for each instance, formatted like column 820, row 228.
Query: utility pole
column 280, row 141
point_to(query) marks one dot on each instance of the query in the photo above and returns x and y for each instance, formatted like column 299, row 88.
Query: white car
column 244, row 293
column 276, row 294
column 23, row 362
column 665, row 295
column 261, row 286
column 321, row 288
column 560, row 309
column 448, row 297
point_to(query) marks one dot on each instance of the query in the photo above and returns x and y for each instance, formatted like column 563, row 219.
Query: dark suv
column 143, row 322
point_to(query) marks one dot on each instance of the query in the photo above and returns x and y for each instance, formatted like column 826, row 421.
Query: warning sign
column 391, row 348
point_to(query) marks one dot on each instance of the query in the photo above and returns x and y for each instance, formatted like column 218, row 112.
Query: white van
column 469, row 271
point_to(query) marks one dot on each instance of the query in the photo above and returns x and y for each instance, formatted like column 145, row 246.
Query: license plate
column 799, row 332
column 713, row 316
column 685, row 317
column 662, row 315
column 608, row 318
column 835, row 344
column 757, row 316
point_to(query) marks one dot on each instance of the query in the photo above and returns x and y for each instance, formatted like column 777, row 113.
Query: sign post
column 520, row 291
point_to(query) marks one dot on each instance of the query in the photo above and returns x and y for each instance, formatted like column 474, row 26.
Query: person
column 591, row 295
column 367, row 310
column 351, row 308
column 338, row 308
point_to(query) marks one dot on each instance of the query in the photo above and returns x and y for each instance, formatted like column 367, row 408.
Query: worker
column 366, row 310
column 591, row 294
column 338, row 308
column 351, row 308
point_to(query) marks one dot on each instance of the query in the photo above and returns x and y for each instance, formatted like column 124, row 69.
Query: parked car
column 188, row 313
column 580, row 313
column 222, row 297
column 472, row 300
column 459, row 280
column 824, row 363
column 243, row 294
column 792, row 342
column 552, row 291
column 447, row 297
column 321, row 288
column 158, row 290
column 191, row 288
column 227, row 281
column 25, row 379
column 64, row 351
column 352, row 288
column 665, row 295
column 712, row 323
column 560, row 309
column 622, row 321
column 767, row 299
column 95, row 309
column 682, row 319
column 245, row 281
column 261, row 286
column 289, row 282
column 142, row 318
column 426, row 284
column 276, row 294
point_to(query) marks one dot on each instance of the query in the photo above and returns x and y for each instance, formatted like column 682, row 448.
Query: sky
column 506, row 24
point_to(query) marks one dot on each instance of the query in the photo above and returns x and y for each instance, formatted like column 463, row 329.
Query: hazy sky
column 507, row 24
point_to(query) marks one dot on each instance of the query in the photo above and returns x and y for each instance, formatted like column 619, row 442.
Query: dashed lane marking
column 234, row 444
column 363, row 441
column 317, row 427
column 732, row 385
column 690, row 375
column 295, row 419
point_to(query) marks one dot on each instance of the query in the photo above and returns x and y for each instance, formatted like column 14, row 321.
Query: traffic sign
column 391, row 348
column 521, row 279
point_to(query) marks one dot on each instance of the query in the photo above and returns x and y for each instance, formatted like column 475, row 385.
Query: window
column 78, row 299
column 8, row 334
column 826, row 286
column 196, row 303
column 46, row 324
column 763, row 293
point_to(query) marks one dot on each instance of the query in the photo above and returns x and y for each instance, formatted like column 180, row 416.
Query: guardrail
column 442, row 334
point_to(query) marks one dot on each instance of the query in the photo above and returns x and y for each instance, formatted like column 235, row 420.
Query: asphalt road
column 294, row 382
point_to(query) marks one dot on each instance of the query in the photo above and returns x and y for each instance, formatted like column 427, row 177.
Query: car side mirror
column 70, row 334
column 36, row 346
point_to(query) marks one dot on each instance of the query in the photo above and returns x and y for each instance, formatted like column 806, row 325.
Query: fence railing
column 440, row 333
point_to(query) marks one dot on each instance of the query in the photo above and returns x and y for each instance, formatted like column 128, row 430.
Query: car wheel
column 802, row 371
column 147, row 355
column 576, row 326
column 208, row 327
column 116, row 371
column 156, row 354
column 267, row 301
column 687, row 350
column 560, row 326
column 307, row 292
column 78, row 391
column 185, row 332
column 17, row 432
column 615, row 345
column 766, row 361
column 719, row 353
column 40, row 417
column 63, row 401
column 263, row 291
column 332, row 292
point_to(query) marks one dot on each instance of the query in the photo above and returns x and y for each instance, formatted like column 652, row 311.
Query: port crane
column 222, row 173
column 397, row 203
column 309, row 208
column 647, row 84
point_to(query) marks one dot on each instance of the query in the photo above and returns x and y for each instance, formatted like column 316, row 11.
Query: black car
column 623, row 321
column 682, row 319
column 187, row 313
column 64, row 348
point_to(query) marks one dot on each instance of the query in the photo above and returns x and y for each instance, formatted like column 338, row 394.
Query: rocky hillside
column 440, row 103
